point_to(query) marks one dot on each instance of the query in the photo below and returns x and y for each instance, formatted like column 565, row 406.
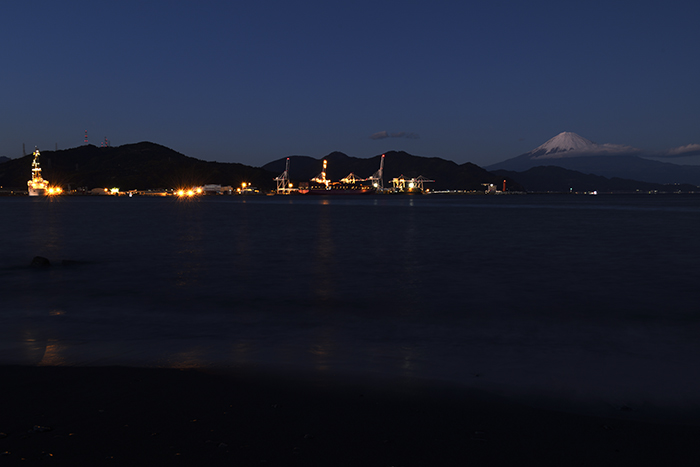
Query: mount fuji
column 573, row 152
column 568, row 144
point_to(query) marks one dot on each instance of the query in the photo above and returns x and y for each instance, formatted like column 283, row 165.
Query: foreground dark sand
column 129, row 416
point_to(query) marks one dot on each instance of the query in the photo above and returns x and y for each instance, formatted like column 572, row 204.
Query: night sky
column 252, row 82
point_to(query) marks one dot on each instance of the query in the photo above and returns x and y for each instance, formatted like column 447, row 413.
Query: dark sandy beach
column 131, row 416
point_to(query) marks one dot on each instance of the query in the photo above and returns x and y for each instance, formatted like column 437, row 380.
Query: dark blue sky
column 257, row 81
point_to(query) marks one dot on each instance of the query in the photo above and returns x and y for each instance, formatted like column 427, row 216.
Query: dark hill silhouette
column 141, row 166
column 148, row 165
column 558, row 179
column 448, row 175
column 628, row 167
column 573, row 152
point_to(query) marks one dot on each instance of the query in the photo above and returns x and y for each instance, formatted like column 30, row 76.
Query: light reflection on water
column 325, row 261
column 418, row 286
column 188, row 247
column 193, row 358
column 241, row 353
column 322, row 350
column 53, row 354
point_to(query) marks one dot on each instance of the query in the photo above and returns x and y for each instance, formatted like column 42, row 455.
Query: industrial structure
column 377, row 177
column 350, row 184
column 407, row 185
column 284, row 187
column 37, row 185
column 491, row 189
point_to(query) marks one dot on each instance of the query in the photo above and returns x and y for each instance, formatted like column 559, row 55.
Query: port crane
column 283, row 185
column 352, row 178
column 377, row 177
column 401, row 183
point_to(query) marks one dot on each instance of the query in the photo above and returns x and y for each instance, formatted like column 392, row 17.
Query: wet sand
column 132, row 416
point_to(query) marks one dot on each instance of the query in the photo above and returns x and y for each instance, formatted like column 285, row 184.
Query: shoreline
column 143, row 416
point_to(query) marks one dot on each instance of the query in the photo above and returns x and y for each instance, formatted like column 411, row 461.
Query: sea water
column 565, row 296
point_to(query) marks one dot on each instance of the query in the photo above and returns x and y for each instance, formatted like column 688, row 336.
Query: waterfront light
column 54, row 190
column 188, row 192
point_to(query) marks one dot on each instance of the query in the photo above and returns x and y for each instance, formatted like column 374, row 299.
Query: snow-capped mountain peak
column 566, row 141
column 568, row 144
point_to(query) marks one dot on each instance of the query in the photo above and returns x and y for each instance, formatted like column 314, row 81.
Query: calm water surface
column 576, row 296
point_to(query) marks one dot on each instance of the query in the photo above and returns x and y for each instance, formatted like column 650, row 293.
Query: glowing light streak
column 188, row 192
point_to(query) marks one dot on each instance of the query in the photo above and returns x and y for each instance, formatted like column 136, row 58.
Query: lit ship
column 37, row 185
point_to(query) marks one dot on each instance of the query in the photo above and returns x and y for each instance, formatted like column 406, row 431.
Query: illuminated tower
column 321, row 178
column 86, row 138
column 37, row 185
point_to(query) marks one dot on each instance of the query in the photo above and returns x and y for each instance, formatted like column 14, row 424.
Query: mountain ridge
column 553, row 179
column 569, row 144
column 147, row 165
column 143, row 165
column 448, row 175
column 607, row 160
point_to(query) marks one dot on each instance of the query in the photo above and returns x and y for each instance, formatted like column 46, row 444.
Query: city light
column 188, row 192
column 54, row 190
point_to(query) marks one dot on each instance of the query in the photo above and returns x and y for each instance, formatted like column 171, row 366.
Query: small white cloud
column 617, row 150
column 397, row 134
column 683, row 151
column 380, row 135
column 593, row 150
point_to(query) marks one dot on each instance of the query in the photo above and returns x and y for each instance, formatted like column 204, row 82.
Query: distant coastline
column 147, row 168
